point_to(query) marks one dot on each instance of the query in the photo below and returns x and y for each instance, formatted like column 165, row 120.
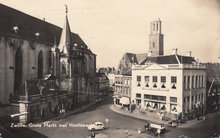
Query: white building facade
column 175, row 84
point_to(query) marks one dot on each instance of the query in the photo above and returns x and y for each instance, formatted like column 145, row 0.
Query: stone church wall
column 30, row 51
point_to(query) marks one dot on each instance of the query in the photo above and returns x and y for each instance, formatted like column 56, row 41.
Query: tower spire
column 66, row 9
column 66, row 38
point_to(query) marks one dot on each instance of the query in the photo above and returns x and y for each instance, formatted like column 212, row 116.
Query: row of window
column 195, row 97
column 155, row 79
column 155, row 85
column 155, row 97
column 193, row 81
column 118, row 80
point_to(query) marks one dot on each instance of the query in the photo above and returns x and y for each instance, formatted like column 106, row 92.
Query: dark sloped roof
column 170, row 59
column 186, row 59
column 134, row 58
column 130, row 57
column 29, row 25
column 141, row 57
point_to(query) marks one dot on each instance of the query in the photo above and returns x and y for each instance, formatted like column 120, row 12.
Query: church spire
column 66, row 9
column 65, row 39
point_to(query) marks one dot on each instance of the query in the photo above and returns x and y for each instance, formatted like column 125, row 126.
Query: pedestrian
column 92, row 134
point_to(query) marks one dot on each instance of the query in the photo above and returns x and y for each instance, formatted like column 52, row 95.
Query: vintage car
column 96, row 126
column 157, row 128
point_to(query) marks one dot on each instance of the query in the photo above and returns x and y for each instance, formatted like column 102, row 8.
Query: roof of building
column 28, row 26
column 128, row 59
column 169, row 59
column 141, row 57
column 134, row 58
column 65, row 39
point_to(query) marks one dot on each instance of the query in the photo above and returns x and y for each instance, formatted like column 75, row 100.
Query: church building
column 43, row 67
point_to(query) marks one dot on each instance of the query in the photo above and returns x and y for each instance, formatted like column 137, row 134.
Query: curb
column 198, row 121
column 141, row 118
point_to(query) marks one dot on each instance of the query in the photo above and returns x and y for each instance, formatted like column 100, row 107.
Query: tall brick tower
column 156, row 39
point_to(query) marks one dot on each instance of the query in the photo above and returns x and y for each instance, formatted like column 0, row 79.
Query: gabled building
column 174, row 83
column 122, row 91
column 43, row 67
column 103, row 84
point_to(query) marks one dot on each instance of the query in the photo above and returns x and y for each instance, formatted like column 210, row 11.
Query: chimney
column 189, row 53
column 149, row 53
column 218, row 60
column 174, row 51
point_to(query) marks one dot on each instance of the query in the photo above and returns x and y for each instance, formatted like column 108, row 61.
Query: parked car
column 96, row 126
column 156, row 128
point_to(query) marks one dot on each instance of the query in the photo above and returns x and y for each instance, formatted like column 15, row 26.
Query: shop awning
column 125, row 100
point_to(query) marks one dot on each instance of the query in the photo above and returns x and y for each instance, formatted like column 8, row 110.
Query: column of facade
column 190, row 92
column 10, row 68
column 142, row 100
column 2, row 69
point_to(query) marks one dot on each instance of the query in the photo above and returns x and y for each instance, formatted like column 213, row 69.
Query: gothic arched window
column 18, row 69
column 63, row 67
column 40, row 65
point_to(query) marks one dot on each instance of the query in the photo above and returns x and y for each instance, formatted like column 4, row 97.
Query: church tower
column 65, row 47
column 156, row 39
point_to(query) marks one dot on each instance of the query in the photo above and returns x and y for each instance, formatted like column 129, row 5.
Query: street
column 101, row 112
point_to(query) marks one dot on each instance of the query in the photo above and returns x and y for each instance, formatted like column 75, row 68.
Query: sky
column 112, row 27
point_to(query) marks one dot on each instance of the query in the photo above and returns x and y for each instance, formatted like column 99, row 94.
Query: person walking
column 92, row 134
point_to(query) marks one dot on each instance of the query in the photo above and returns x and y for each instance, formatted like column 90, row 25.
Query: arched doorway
column 40, row 65
column 18, row 69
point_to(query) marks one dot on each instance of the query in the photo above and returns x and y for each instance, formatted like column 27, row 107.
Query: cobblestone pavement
column 121, row 133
